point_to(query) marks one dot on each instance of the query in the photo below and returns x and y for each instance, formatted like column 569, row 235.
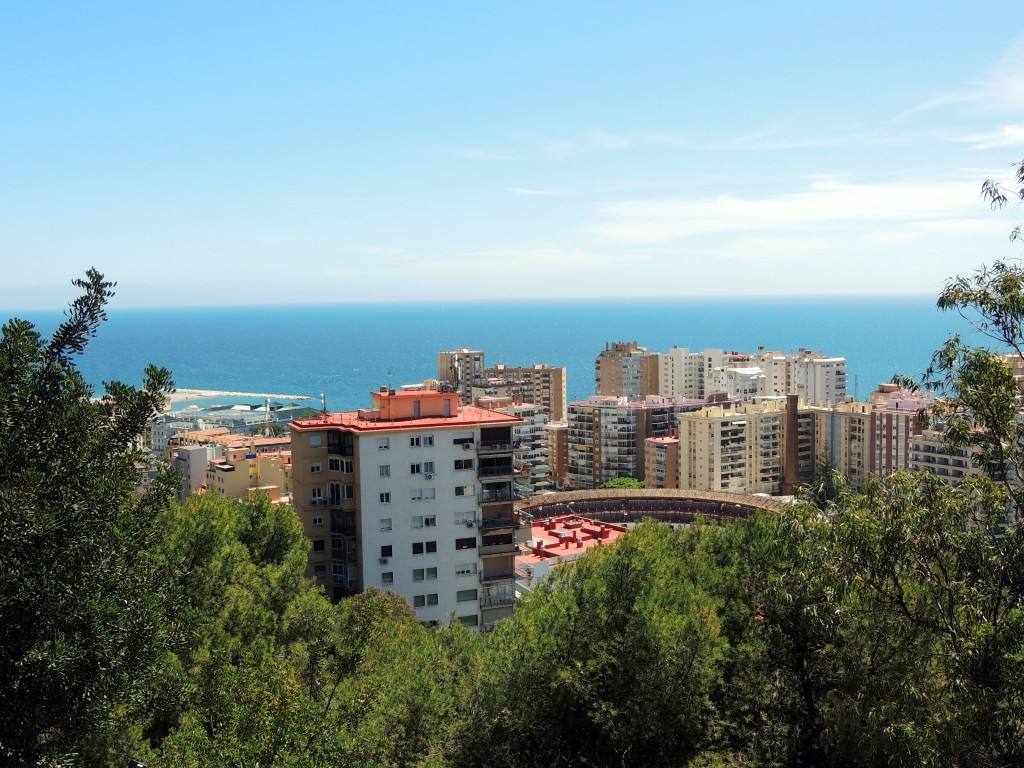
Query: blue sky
column 251, row 153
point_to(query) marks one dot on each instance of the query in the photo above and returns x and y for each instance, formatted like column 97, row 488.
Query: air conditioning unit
column 429, row 476
column 384, row 560
column 467, row 446
column 469, row 523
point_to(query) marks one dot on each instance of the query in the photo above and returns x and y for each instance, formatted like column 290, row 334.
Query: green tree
column 624, row 482
column 79, row 612
column 610, row 661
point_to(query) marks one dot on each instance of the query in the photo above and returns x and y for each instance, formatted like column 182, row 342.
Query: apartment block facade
column 413, row 495
column 542, row 385
column 743, row 448
column 625, row 369
column 606, row 435
column 459, row 369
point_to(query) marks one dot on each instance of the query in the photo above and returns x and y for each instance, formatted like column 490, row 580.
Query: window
column 415, row 469
column 417, row 548
column 467, row 543
column 414, row 442
column 417, row 574
column 463, row 463
column 464, row 440
column 385, row 470
column 320, row 571
column 314, row 441
column 428, row 467
column 339, row 465
column 419, row 601
column 432, row 599
column 465, row 595
column 348, row 491
column 428, row 440
column 429, row 494
column 417, row 521
column 465, row 569
column 385, row 523
column 315, row 467
column 338, row 572
column 318, row 520
column 383, row 443
column 316, row 494
column 429, row 521
column 385, row 497
column 469, row 621
column 416, row 494
column 387, row 578
column 385, row 550
column 431, row 546
column 431, row 574
column 465, row 490
column 319, row 545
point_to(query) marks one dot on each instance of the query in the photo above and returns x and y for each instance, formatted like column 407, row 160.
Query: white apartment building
column 412, row 495
column 811, row 375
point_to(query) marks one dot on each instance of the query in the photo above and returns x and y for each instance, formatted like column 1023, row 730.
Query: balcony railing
column 495, row 523
column 493, row 497
column 496, row 550
column 502, row 446
column 487, row 578
column 497, row 601
column 494, row 471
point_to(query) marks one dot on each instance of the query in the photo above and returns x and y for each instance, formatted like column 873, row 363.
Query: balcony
column 495, row 497
column 503, row 471
column 500, row 550
column 487, row 578
column 501, row 446
column 497, row 523
column 497, row 601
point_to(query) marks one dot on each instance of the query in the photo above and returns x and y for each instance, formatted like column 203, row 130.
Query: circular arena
column 633, row 505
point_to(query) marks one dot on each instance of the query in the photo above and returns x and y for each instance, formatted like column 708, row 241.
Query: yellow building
column 240, row 474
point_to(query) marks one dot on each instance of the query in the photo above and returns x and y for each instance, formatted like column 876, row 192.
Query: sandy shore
column 184, row 395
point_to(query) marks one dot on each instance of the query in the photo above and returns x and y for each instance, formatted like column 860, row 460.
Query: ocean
column 347, row 351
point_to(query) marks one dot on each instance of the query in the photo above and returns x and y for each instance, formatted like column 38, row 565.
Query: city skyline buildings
column 396, row 157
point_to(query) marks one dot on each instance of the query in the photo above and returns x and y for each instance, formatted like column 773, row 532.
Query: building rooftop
column 398, row 410
column 567, row 537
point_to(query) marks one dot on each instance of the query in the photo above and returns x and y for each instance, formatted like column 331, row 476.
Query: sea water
column 346, row 351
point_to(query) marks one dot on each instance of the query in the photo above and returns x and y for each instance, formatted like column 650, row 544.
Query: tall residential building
column 929, row 454
column 542, row 385
column 661, row 456
column 843, row 439
column 412, row 495
column 558, row 452
column 529, row 443
column 606, row 435
column 682, row 373
column 812, row 376
column 895, row 420
column 459, row 369
column 625, row 369
column 743, row 448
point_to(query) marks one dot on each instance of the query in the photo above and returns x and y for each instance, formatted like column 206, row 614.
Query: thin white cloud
column 1001, row 90
column 775, row 249
column 825, row 202
column 1006, row 136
